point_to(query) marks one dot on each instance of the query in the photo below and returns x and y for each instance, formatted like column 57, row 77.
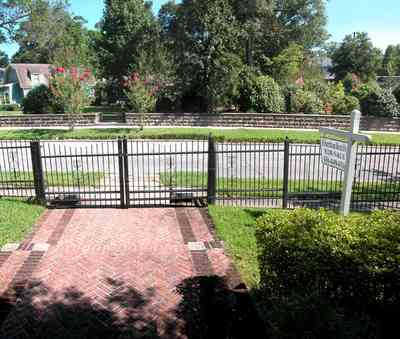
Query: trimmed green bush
column 380, row 103
column 396, row 94
column 9, row 108
column 328, row 275
column 345, row 105
column 40, row 100
column 306, row 102
column 259, row 94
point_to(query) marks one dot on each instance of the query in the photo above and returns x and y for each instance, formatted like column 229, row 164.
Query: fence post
column 286, row 174
column 121, row 173
column 37, row 169
column 212, row 171
column 126, row 172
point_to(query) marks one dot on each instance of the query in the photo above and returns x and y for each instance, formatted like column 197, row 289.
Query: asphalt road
column 147, row 159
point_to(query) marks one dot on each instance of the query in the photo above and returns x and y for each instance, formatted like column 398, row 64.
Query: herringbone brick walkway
column 108, row 274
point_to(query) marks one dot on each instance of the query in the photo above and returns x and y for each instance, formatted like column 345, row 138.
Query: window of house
column 35, row 79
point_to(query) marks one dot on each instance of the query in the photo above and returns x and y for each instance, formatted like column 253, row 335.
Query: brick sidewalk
column 137, row 273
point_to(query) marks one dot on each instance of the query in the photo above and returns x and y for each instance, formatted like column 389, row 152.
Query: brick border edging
column 233, row 278
column 201, row 262
column 17, row 285
column 29, row 237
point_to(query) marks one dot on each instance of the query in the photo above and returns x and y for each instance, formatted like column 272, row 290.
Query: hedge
column 323, row 275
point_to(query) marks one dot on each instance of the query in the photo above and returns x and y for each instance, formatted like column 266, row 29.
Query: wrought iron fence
column 131, row 173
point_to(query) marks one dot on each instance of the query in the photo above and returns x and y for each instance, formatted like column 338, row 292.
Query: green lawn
column 236, row 227
column 52, row 179
column 260, row 135
column 11, row 113
column 16, row 219
column 274, row 188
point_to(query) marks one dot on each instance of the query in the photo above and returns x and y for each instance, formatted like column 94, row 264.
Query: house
column 18, row 80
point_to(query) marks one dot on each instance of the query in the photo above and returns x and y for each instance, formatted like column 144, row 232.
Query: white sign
column 342, row 155
column 334, row 153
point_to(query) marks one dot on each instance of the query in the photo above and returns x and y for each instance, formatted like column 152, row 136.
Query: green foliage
column 128, row 30
column 356, row 54
column 379, row 102
column 248, row 79
column 333, row 276
column 204, row 37
column 391, row 61
column 396, row 94
column 9, row 108
column 4, row 61
column 50, row 32
column 271, row 26
column 339, row 101
column 13, row 12
column 141, row 94
column 345, row 105
column 71, row 88
column 40, row 100
column 266, row 96
column 287, row 66
column 304, row 101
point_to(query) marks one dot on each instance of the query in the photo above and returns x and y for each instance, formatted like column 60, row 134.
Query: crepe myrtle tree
column 72, row 89
column 141, row 93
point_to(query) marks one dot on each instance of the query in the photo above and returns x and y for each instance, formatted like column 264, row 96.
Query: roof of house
column 24, row 72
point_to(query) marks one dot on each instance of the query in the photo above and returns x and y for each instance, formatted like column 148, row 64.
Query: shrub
column 306, row 102
column 9, row 108
column 396, row 94
column 327, row 270
column 40, row 100
column 71, row 88
column 259, row 94
column 380, row 102
column 141, row 94
column 247, row 83
column 345, row 104
column 267, row 96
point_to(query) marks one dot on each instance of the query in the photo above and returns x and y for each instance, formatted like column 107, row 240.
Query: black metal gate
column 166, row 173
column 142, row 173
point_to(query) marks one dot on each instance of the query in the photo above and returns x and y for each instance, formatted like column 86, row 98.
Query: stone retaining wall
column 300, row 121
column 258, row 120
column 46, row 120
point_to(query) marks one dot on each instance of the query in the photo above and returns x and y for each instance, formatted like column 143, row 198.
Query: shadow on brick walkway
column 208, row 309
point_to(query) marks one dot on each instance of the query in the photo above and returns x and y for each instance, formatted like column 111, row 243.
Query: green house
column 17, row 80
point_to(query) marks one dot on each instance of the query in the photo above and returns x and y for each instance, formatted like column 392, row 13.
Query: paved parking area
column 113, row 273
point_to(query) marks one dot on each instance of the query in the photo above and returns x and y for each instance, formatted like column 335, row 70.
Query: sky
column 380, row 18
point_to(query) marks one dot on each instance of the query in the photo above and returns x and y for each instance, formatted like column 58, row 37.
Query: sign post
column 342, row 155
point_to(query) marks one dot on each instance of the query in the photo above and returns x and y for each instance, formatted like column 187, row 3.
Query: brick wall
column 46, row 120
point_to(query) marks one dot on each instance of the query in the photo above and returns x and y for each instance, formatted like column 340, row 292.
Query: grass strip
column 233, row 135
column 16, row 219
column 52, row 179
column 262, row 187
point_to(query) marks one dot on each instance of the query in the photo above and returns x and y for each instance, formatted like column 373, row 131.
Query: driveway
column 137, row 273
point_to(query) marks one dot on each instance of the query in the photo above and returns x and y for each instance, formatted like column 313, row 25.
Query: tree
column 129, row 34
column 12, row 13
column 50, row 34
column 272, row 25
column 4, row 61
column 357, row 55
column 391, row 61
column 204, row 37
column 288, row 66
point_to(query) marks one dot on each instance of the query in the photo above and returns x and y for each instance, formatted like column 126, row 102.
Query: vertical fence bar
column 286, row 174
column 37, row 168
column 212, row 173
column 126, row 172
column 121, row 173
